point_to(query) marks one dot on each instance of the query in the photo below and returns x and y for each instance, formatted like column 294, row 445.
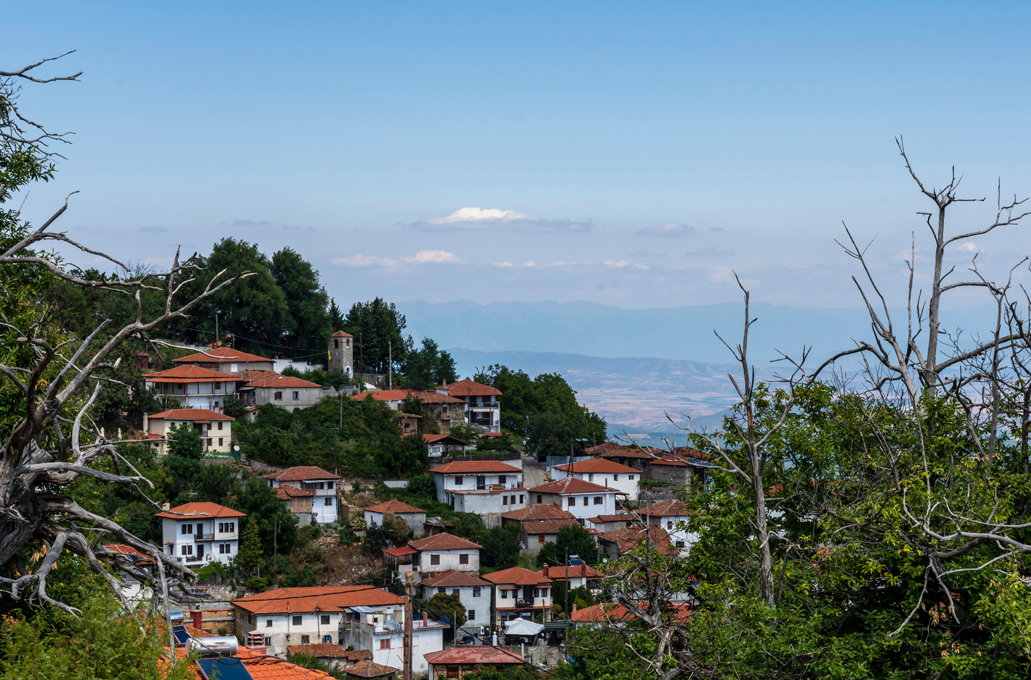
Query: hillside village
column 420, row 588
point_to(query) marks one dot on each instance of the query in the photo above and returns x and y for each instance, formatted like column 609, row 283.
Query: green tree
column 445, row 605
column 277, row 526
column 429, row 366
column 422, row 486
column 184, row 440
column 378, row 329
column 250, row 556
column 500, row 547
column 233, row 406
column 336, row 317
column 572, row 541
column 308, row 326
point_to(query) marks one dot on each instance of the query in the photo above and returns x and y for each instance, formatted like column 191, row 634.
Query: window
column 336, row 344
column 220, row 441
column 327, row 639
column 268, row 641
column 220, row 424
column 458, row 480
column 540, row 499
column 434, row 559
column 471, row 616
column 187, row 529
column 209, row 442
column 597, row 500
column 268, row 623
column 540, row 539
column 329, row 502
column 520, row 499
column 572, row 501
column 501, row 479
column 384, row 644
column 305, row 639
column 463, row 558
column 297, row 395
column 512, row 499
column 476, row 591
column 454, row 591
column 615, row 478
column 442, row 591
column 278, row 396
column 329, row 485
column 504, row 594
column 297, row 620
column 186, row 549
column 590, row 476
column 481, row 482
column 680, row 544
column 630, row 477
column 324, row 619
column 504, row 500
column 669, row 524
column 223, row 549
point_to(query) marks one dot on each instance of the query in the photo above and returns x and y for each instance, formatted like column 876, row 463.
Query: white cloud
column 529, row 263
column 433, row 257
column 493, row 218
column 364, row 261
column 504, row 264
column 668, row 229
column 615, row 264
column 969, row 247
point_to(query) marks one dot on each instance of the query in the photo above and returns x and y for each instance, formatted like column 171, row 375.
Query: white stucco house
column 215, row 429
column 519, row 593
column 603, row 472
column 445, row 552
column 486, row 488
column 671, row 516
column 473, row 591
column 413, row 516
column 325, row 507
column 198, row 533
column 581, row 498
column 191, row 386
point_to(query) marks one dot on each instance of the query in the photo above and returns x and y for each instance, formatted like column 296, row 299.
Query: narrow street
column 533, row 472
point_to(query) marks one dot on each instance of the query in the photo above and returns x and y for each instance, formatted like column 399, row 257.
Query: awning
column 558, row 625
column 522, row 627
column 400, row 552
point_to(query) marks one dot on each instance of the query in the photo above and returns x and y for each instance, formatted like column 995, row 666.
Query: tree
column 422, row 486
column 233, row 406
column 277, row 526
column 184, row 440
column 500, row 547
column 429, row 366
column 447, row 606
column 250, row 555
column 379, row 330
column 336, row 317
column 309, row 321
column 569, row 541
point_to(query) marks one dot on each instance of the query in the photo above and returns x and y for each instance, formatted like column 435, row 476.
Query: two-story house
column 581, row 498
column 482, row 404
column 486, row 488
column 226, row 360
column 288, row 392
column 298, row 502
column 438, row 410
column 192, row 387
column 519, row 593
column 324, row 505
column 575, row 575
column 539, row 525
column 474, row 592
column 445, row 552
column 198, row 533
column 604, row 472
column 215, row 429
column 671, row 515
column 413, row 516
column 381, row 630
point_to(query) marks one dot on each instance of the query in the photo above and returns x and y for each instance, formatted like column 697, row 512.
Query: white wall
column 171, row 532
column 490, row 505
column 579, row 509
column 625, row 482
column 480, row 605
column 450, row 559
column 284, row 632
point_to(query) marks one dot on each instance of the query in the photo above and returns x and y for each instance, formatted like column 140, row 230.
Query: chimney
column 583, row 568
column 574, row 611
column 166, row 506
column 545, row 570
column 425, row 620
column 198, row 619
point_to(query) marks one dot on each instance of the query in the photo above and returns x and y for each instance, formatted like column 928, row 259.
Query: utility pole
column 408, row 627
column 390, row 365
column 216, row 329
column 569, row 616
column 275, row 550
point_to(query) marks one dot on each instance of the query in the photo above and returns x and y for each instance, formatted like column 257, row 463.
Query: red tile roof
column 219, row 356
column 621, row 517
column 578, row 571
column 199, row 511
column 542, row 511
column 607, row 612
column 472, row 467
column 604, row 447
column 454, row 579
column 469, row 388
column 434, row 438
column 324, row 650
column 400, row 552
column 287, row 492
column 473, row 655
column 395, row 506
column 273, row 379
column 425, row 396
column 324, row 599
column 443, row 541
column 369, row 669
column 548, row 526
column 571, row 485
column 181, row 374
column 672, row 508
column 341, row 334
column 263, row 667
column 517, row 576
column 301, row 473
column 599, row 466
column 131, row 552
column 190, row 414
column 628, row 538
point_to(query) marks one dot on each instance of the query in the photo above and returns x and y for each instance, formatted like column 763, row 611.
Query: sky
column 629, row 154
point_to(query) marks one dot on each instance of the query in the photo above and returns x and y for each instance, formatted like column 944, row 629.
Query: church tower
column 341, row 354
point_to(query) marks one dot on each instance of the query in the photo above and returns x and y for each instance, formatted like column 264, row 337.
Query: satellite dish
column 236, row 448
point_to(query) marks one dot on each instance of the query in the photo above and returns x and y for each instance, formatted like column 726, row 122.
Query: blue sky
column 626, row 154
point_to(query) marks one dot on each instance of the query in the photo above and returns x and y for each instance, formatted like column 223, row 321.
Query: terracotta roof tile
column 443, row 541
column 454, row 579
column 669, row 508
column 333, row 598
column 473, row 655
column 287, row 492
column 395, row 506
column 199, row 511
column 517, row 576
column 190, row 414
column 191, row 373
column 607, row 612
column 628, row 538
column 472, row 467
column 273, row 379
column 622, row 517
column 571, row 485
column 324, row 650
column 301, row 473
column 425, row 396
column 548, row 526
column 370, row 669
column 341, row 334
column 470, row 388
column 542, row 511
column 598, row 465
column 577, row 571
column 220, row 355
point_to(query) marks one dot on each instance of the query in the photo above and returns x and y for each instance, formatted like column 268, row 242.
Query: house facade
column 215, row 429
column 486, row 488
column 413, row 516
column 226, row 360
column 192, row 387
column 580, row 498
column 325, row 506
column 198, row 533
column 519, row 594
column 340, row 354
column 445, row 552
column 458, row 662
column 473, row 591
column 539, row 525
column 671, row 515
column 298, row 502
column 603, row 472
column 482, row 404
column 440, row 411
column 267, row 387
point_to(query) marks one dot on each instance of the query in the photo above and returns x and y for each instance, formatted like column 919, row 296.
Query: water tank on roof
column 214, row 646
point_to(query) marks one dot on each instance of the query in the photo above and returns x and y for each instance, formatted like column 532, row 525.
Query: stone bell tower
column 341, row 354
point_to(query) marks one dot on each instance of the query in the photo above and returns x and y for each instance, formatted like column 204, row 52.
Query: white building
column 519, row 593
column 583, row 499
column 227, row 360
column 671, row 516
column 413, row 516
column 362, row 617
column 474, row 592
column 604, row 472
column 445, row 552
column 486, row 488
column 215, row 429
column 482, row 404
column 324, row 506
column 198, row 533
column 284, row 391
column 192, row 387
